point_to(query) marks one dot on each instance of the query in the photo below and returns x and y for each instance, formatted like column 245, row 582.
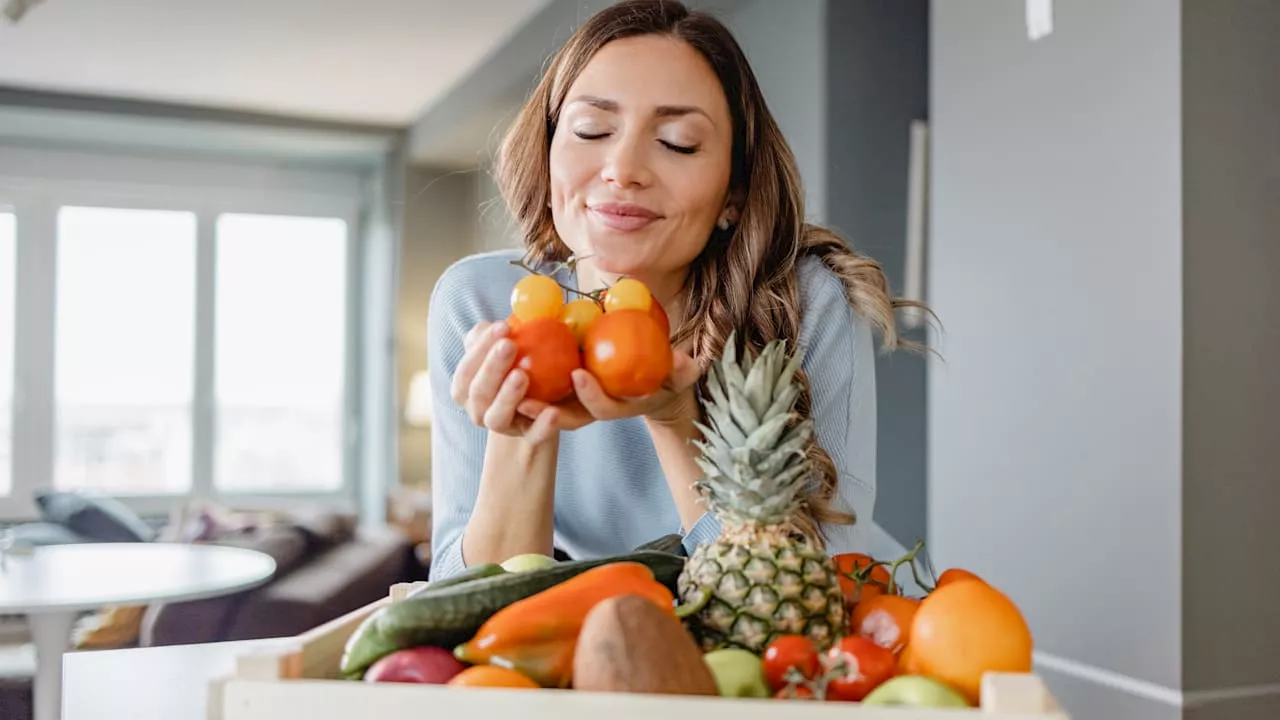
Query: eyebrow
column 663, row 110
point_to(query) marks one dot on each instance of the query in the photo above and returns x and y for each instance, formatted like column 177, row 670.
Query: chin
column 609, row 257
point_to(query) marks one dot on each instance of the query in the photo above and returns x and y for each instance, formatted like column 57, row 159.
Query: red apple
column 430, row 665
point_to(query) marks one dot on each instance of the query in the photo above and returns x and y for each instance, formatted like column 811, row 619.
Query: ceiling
column 377, row 62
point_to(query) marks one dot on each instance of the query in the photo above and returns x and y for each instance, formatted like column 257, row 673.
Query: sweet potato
column 628, row 644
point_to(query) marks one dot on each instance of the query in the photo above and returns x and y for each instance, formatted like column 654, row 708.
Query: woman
column 647, row 150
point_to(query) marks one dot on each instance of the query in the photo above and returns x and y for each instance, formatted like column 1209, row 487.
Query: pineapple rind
column 761, row 578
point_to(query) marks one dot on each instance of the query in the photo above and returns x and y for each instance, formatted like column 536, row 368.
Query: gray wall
column 1102, row 433
column 792, row 76
column 1231, row 351
column 877, row 82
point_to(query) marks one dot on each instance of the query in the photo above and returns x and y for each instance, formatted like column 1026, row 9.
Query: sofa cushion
column 345, row 577
column 206, row 620
column 95, row 518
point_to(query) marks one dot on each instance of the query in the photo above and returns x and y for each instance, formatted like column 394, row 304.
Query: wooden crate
column 300, row 680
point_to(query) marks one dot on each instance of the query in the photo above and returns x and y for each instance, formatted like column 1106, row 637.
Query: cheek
column 571, row 170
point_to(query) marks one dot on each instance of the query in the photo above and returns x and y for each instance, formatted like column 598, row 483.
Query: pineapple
column 760, row 578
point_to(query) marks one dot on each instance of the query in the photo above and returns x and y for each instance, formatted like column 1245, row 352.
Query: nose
column 626, row 164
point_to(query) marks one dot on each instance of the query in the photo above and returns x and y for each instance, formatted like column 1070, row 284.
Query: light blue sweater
column 610, row 492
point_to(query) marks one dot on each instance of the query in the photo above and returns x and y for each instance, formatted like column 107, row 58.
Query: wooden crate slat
column 317, row 699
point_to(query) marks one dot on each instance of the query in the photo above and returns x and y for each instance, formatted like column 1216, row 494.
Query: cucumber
column 475, row 572
column 451, row 615
column 673, row 543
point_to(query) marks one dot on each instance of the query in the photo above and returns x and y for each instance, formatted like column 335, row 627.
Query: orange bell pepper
column 538, row 635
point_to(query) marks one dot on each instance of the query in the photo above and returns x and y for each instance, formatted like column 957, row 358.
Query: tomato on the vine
column 795, row 692
column 885, row 619
column 855, row 666
column 547, row 352
column 858, row 579
column 628, row 353
column 579, row 314
column 656, row 311
column 659, row 316
column 628, row 294
column 536, row 296
column 787, row 653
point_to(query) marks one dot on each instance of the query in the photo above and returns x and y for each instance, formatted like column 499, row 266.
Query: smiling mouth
column 624, row 217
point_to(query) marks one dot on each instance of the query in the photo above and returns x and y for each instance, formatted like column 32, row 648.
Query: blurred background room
column 221, row 223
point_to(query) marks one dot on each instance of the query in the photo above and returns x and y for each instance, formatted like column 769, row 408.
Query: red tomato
column 656, row 311
column 785, row 653
column 659, row 316
column 628, row 353
column 547, row 351
column 858, row 580
column 856, row 666
column 886, row 619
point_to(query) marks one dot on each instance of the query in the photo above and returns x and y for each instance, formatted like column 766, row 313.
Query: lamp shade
column 417, row 407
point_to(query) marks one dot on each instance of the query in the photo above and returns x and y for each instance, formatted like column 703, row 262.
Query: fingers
column 479, row 341
column 684, row 372
column 489, row 379
column 596, row 401
column 501, row 413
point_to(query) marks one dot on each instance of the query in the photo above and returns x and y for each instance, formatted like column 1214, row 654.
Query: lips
column 624, row 217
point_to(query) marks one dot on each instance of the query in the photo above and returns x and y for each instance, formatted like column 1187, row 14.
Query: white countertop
column 161, row 683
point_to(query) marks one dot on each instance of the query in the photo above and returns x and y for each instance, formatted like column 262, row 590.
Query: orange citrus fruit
column 966, row 629
column 492, row 676
column 951, row 575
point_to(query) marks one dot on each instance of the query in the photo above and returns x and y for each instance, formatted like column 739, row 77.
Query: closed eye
column 682, row 149
column 589, row 136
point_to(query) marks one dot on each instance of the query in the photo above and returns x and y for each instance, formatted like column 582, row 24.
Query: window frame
column 37, row 183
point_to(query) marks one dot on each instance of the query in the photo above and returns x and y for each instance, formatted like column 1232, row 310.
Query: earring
column 723, row 224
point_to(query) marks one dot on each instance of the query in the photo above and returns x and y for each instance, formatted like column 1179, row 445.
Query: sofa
column 325, row 567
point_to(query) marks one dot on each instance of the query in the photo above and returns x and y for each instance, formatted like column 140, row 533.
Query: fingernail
column 505, row 347
column 580, row 380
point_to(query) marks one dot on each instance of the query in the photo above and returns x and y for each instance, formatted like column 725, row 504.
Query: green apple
column 915, row 691
column 527, row 561
column 738, row 672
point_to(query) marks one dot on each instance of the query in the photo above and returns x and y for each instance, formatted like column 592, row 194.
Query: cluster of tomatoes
column 960, row 629
column 621, row 337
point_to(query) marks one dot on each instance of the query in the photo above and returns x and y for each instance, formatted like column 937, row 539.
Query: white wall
column 1056, row 268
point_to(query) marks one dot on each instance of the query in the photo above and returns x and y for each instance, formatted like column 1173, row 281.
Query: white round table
column 51, row 585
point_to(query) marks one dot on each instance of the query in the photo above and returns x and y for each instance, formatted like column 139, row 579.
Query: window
column 177, row 331
column 279, row 360
column 8, row 279
column 125, row 350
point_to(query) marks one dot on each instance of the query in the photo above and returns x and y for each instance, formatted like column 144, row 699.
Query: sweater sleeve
column 840, row 364
column 457, row 444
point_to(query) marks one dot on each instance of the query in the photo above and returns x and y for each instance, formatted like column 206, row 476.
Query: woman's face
column 640, row 159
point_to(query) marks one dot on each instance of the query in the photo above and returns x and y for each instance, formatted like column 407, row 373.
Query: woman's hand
column 490, row 390
column 672, row 404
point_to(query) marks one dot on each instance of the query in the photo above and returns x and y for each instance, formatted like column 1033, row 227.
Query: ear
column 728, row 216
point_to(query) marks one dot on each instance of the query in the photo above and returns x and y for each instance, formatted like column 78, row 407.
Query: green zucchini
column 451, row 615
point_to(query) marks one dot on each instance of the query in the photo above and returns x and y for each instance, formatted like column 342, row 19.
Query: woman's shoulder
column 831, row 328
column 824, row 299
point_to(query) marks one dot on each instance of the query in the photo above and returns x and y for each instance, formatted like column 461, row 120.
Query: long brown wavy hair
column 746, row 279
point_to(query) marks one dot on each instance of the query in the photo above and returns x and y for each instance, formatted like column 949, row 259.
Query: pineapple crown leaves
column 752, row 455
